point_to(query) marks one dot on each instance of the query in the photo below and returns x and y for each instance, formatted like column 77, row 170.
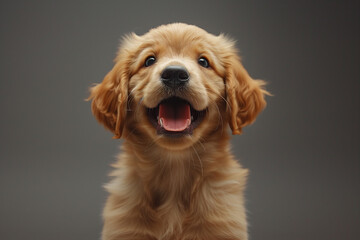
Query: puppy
column 171, row 95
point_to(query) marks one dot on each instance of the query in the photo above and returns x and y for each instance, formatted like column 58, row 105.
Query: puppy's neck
column 166, row 175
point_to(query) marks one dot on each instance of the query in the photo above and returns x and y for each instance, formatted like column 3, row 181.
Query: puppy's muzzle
column 175, row 77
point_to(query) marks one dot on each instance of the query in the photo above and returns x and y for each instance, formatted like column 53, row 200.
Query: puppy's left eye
column 204, row 62
column 150, row 61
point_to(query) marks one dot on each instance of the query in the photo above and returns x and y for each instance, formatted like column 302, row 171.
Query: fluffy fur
column 176, row 188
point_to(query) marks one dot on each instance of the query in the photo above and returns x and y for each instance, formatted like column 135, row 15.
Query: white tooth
column 157, row 118
column 161, row 122
column 192, row 118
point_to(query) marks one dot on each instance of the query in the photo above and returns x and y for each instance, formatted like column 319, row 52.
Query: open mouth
column 175, row 117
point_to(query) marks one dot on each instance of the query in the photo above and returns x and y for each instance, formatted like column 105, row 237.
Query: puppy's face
column 176, row 84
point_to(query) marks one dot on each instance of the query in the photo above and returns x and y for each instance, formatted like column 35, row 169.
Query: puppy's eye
column 150, row 61
column 204, row 62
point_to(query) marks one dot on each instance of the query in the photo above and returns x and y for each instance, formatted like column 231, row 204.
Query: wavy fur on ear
column 109, row 102
column 110, row 97
column 244, row 95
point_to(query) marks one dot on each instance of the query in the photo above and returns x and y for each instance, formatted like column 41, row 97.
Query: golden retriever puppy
column 171, row 96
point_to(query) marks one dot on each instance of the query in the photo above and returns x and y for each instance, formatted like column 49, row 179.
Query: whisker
column 198, row 157
column 220, row 117
column 201, row 143
column 219, row 95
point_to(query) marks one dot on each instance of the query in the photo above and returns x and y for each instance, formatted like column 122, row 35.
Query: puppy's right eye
column 150, row 61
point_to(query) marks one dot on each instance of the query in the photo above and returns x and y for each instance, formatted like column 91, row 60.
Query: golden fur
column 183, row 188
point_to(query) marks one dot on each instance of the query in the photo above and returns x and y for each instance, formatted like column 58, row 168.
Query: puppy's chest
column 172, row 203
column 173, row 218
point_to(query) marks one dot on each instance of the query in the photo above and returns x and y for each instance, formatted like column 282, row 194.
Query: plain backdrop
column 302, row 152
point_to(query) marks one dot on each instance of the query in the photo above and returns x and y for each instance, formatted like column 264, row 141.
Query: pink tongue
column 174, row 117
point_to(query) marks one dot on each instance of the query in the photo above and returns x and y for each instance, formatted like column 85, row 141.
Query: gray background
column 303, row 151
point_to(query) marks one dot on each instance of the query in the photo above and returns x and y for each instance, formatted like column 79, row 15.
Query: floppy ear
column 245, row 95
column 109, row 99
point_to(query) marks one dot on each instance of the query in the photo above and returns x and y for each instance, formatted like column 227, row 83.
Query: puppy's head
column 175, row 85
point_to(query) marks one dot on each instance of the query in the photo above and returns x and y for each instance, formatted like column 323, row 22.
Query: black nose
column 175, row 76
